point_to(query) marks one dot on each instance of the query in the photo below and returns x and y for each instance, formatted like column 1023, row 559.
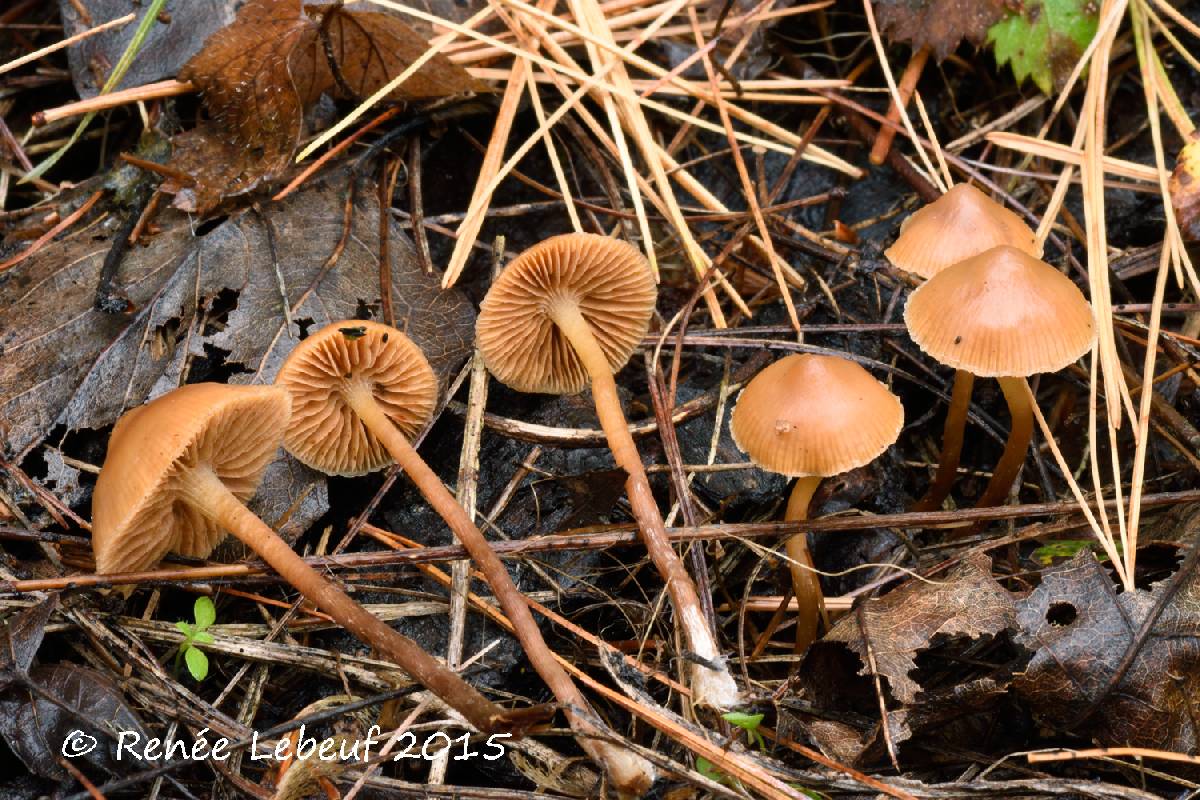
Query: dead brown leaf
column 210, row 305
column 1185, row 189
column 966, row 602
column 938, row 24
column 259, row 74
column 370, row 48
column 170, row 42
column 1079, row 628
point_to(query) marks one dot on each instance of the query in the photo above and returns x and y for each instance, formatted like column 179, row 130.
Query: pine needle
column 114, row 78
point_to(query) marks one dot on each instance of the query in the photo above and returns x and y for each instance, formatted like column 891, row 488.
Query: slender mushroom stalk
column 806, row 585
column 1016, row 393
column 714, row 687
column 382, row 379
column 1002, row 314
column 809, row 417
column 177, row 472
column 570, row 311
column 952, row 442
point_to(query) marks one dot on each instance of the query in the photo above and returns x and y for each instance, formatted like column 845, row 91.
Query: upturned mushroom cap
column 608, row 279
column 325, row 432
column 140, row 511
column 961, row 223
column 1001, row 313
column 809, row 415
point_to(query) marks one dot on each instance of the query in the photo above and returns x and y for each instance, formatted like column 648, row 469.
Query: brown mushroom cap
column 608, row 279
column 815, row 415
column 961, row 223
column 139, row 513
column 325, row 432
column 1002, row 313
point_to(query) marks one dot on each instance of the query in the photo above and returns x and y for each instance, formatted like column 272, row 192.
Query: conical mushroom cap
column 810, row 415
column 325, row 432
column 139, row 513
column 608, row 279
column 1001, row 313
column 962, row 223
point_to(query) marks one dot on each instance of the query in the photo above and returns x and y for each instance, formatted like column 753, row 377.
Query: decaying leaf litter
column 179, row 239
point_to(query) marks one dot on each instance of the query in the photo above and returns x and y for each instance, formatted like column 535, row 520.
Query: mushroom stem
column 1016, row 392
column 711, row 683
column 952, row 441
column 805, row 583
column 630, row 772
column 210, row 495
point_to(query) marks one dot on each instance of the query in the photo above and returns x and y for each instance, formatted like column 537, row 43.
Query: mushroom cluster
column 989, row 308
column 563, row 316
column 176, row 477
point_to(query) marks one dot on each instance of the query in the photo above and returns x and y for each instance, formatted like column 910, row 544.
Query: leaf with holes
column 1044, row 39
column 210, row 305
column 1079, row 628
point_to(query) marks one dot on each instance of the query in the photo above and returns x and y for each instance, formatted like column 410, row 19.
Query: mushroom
column 177, row 474
column 570, row 310
column 810, row 417
column 1002, row 314
column 962, row 223
column 359, row 391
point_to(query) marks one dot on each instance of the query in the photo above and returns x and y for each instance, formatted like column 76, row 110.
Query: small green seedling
column 205, row 614
column 749, row 723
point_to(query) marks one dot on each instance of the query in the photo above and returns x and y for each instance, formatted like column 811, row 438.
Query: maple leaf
column 259, row 74
column 939, row 25
column 1044, row 39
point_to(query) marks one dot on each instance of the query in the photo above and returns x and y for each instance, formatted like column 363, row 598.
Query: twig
column 466, row 492
column 884, row 723
column 416, row 205
column 110, row 298
column 389, row 171
column 613, row 536
column 1110, row 752
column 908, row 83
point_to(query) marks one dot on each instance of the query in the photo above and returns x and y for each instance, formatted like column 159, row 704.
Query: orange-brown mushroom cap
column 325, row 432
column 139, row 509
column 815, row 415
column 961, row 223
column 610, row 281
column 1002, row 313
